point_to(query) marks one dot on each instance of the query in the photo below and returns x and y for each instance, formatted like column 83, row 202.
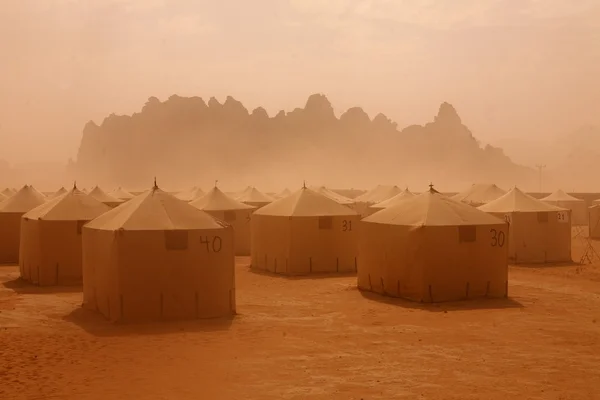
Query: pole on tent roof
column 74, row 185
column 155, row 185
column 304, row 184
column 216, row 181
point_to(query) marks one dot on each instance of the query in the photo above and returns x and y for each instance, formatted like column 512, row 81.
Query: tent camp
column 304, row 233
column 157, row 257
column 121, row 194
column 579, row 210
column 332, row 195
column 594, row 218
column 253, row 197
column 59, row 192
column 235, row 213
column 363, row 203
column 190, row 194
column 50, row 248
column 11, row 211
column 538, row 232
column 103, row 197
column 431, row 248
column 405, row 194
column 479, row 194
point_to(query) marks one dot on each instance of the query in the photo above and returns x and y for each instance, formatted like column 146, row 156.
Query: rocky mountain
column 189, row 141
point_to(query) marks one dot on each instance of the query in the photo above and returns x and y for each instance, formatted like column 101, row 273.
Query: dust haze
column 271, row 93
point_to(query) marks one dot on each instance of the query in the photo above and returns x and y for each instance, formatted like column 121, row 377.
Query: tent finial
column 74, row 185
column 304, row 184
column 155, row 185
column 431, row 186
column 216, row 181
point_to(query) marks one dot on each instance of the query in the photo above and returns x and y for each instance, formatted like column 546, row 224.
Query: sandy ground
column 314, row 338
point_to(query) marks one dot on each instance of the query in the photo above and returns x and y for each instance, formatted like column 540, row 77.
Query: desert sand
column 313, row 338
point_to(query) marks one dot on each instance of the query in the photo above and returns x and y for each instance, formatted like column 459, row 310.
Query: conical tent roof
column 59, row 192
column 24, row 200
column 119, row 193
column 305, row 203
column 517, row 201
column 155, row 210
column 432, row 209
column 559, row 195
column 284, row 193
column 2, row 197
column 71, row 206
column 8, row 192
column 332, row 195
column 191, row 194
column 378, row 194
column 103, row 197
column 216, row 200
column 253, row 195
column 480, row 193
column 405, row 194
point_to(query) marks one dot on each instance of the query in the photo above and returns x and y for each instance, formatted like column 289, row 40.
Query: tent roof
column 8, row 192
column 24, row 200
column 2, row 197
column 59, row 192
column 284, row 193
column 216, row 200
column 74, row 205
column 432, row 209
column 559, row 195
column 120, row 193
column 103, row 197
column 480, row 193
column 378, row 194
column 305, row 203
column 332, row 195
column 517, row 201
column 190, row 194
column 405, row 194
column 155, row 210
column 253, row 195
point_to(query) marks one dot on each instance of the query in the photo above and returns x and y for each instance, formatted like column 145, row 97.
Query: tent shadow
column 21, row 286
column 313, row 276
column 96, row 324
column 482, row 303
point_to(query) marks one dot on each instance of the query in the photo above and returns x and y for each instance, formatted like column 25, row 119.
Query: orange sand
column 313, row 339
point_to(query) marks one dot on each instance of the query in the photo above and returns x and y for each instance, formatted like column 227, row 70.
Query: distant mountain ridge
column 189, row 141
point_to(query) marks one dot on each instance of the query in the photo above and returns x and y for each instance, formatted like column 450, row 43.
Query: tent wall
column 539, row 237
column 194, row 279
column 271, row 238
column 240, row 220
column 99, row 254
column 432, row 264
column 579, row 211
column 10, row 234
column 594, row 218
column 30, row 250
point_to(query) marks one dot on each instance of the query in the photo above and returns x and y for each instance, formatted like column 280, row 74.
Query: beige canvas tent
column 405, row 194
column 333, row 195
column 190, row 194
column 594, row 218
column 157, row 257
column 579, row 210
column 103, row 197
column 121, row 194
column 59, row 192
column 363, row 203
column 284, row 193
column 11, row 211
column 8, row 192
column 235, row 213
column 50, row 248
column 538, row 232
column 2, row 197
column 431, row 248
column 479, row 194
column 304, row 233
column 253, row 197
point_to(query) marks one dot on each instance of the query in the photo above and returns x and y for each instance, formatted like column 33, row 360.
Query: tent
column 594, row 218
column 405, row 194
column 11, row 211
column 103, row 197
column 121, row 194
column 59, row 192
column 333, row 195
column 579, row 210
column 50, row 249
column 2, row 197
column 538, row 232
column 284, row 193
column 304, row 233
column 191, row 194
column 431, row 248
column 363, row 203
column 253, row 197
column 235, row 213
column 8, row 192
column 479, row 194
column 157, row 257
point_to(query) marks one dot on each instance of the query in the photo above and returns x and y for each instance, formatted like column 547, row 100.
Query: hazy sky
column 510, row 67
